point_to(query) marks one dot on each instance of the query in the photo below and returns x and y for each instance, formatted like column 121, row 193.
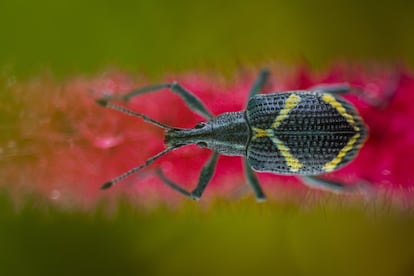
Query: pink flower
column 77, row 145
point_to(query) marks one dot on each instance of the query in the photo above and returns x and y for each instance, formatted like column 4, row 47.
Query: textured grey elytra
column 314, row 132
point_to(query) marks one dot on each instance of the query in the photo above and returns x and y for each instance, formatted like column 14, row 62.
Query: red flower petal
column 78, row 145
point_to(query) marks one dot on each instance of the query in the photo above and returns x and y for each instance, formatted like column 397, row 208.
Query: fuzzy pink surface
column 77, row 145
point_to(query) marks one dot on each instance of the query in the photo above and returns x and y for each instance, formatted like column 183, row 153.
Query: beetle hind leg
column 378, row 101
column 323, row 184
column 337, row 187
column 346, row 88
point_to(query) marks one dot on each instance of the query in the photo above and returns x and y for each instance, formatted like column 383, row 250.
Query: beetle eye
column 202, row 144
column 200, row 125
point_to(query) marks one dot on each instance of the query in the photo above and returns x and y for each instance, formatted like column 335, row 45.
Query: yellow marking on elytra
column 262, row 133
column 290, row 103
column 291, row 161
column 330, row 166
column 339, row 107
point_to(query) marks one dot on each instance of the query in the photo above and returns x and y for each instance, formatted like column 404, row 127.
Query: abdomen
column 305, row 133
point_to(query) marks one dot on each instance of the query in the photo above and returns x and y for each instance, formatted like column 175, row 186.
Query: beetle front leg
column 205, row 176
column 192, row 101
column 253, row 181
column 172, row 184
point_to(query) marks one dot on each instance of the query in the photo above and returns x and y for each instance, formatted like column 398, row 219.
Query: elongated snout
column 187, row 136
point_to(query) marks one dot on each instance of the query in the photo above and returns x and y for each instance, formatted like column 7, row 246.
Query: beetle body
column 303, row 133
column 290, row 133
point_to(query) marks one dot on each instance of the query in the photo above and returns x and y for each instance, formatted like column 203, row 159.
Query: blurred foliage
column 224, row 238
column 153, row 36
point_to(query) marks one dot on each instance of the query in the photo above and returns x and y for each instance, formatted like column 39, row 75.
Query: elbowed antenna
column 149, row 161
column 107, row 104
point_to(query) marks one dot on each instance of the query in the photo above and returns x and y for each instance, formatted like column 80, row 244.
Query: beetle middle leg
column 259, row 83
column 253, row 181
column 206, row 174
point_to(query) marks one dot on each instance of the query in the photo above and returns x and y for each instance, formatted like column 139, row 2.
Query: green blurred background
column 73, row 37
column 67, row 38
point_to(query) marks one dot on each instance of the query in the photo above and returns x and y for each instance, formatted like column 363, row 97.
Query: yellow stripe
column 330, row 166
column 291, row 161
column 290, row 103
column 262, row 132
column 339, row 107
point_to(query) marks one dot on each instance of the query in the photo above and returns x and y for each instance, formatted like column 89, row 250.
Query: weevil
column 304, row 133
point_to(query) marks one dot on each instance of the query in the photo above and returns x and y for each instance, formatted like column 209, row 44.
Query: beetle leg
column 259, row 83
column 323, row 184
column 192, row 101
column 172, row 184
column 205, row 177
column 337, row 88
column 363, row 188
column 344, row 88
column 337, row 187
column 373, row 100
column 253, row 181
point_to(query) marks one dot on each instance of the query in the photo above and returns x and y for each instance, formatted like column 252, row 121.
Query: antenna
column 107, row 104
column 149, row 161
